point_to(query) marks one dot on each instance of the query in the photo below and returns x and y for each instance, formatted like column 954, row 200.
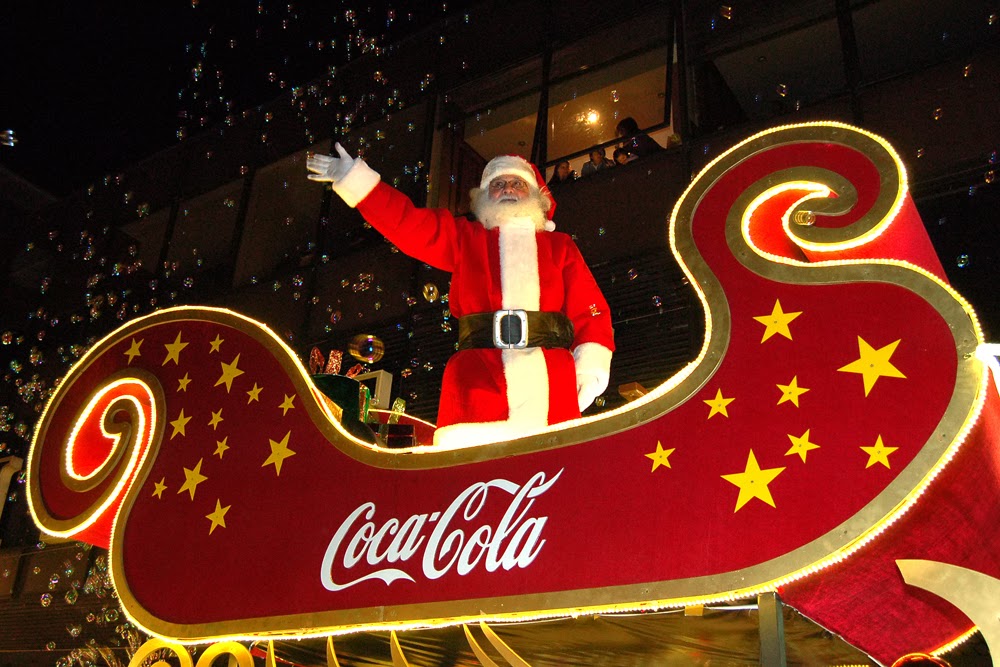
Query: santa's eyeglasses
column 515, row 184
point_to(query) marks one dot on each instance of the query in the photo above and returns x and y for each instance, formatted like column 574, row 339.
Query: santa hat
column 515, row 165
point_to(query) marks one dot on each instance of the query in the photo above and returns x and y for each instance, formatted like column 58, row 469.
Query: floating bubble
column 365, row 347
column 431, row 293
column 657, row 301
column 938, row 113
column 962, row 261
column 632, row 274
column 782, row 90
column 46, row 599
column 990, row 176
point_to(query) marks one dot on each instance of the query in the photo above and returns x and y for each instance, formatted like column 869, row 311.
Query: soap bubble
column 365, row 347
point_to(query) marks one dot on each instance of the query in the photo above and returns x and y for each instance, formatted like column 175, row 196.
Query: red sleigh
column 836, row 419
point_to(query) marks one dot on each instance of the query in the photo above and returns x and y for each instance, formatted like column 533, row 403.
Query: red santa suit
column 494, row 394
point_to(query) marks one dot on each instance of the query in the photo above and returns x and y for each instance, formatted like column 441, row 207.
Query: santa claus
column 535, row 337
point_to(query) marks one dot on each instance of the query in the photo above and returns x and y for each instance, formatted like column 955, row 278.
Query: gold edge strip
column 67, row 528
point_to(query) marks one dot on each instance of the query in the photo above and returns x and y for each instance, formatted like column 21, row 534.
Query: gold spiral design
column 122, row 415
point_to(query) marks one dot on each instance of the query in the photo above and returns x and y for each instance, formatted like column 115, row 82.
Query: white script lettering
column 455, row 542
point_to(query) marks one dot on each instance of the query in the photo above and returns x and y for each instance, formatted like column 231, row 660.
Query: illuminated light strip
column 883, row 224
column 115, row 437
column 133, row 462
column 955, row 643
column 816, row 191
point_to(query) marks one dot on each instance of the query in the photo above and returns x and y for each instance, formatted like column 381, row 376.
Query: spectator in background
column 562, row 174
column 621, row 156
column 638, row 144
column 598, row 162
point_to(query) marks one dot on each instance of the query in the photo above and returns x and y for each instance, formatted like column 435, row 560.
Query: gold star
column 160, row 488
column 218, row 517
column 221, row 446
column 286, row 404
column 279, row 452
column 229, row 373
column 873, row 363
column 179, row 424
column 879, row 453
column 801, row 445
column 791, row 392
column 718, row 404
column 777, row 322
column 660, row 456
column 216, row 419
column 216, row 344
column 254, row 394
column 182, row 384
column 133, row 351
column 753, row 482
column 192, row 478
column 174, row 350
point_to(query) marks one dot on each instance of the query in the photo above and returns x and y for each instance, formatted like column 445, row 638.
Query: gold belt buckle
column 510, row 329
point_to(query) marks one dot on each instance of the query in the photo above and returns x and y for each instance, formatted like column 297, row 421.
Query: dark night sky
column 88, row 88
column 91, row 87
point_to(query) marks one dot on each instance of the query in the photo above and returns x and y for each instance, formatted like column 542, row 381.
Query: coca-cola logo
column 444, row 541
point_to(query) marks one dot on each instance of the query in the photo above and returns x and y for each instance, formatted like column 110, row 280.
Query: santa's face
column 508, row 188
column 509, row 199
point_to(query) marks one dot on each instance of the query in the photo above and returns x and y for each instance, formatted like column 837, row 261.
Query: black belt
column 514, row 329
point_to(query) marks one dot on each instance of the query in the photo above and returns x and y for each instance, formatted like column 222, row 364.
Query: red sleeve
column 429, row 235
column 584, row 303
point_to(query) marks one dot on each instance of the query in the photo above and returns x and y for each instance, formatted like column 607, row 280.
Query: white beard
column 509, row 211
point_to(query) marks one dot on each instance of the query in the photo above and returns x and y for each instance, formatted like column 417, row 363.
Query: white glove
column 588, row 387
column 330, row 169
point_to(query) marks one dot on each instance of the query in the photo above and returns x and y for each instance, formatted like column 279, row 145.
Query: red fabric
column 865, row 600
column 473, row 388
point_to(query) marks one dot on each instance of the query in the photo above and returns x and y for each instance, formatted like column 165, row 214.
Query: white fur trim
column 357, row 184
column 503, row 165
column 593, row 359
column 525, row 371
column 527, row 378
column 519, row 281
